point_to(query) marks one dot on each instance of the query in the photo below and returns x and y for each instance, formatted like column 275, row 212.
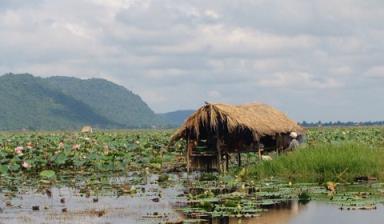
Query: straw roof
column 260, row 119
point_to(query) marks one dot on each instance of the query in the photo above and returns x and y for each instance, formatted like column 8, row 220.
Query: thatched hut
column 215, row 131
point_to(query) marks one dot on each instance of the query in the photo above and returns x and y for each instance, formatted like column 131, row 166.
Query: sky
column 314, row 60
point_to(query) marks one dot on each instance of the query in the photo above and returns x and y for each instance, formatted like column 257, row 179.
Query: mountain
column 112, row 101
column 176, row 118
column 59, row 103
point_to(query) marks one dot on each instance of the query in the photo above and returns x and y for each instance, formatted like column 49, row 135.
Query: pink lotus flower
column 19, row 150
column 76, row 146
column 29, row 145
column 26, row 165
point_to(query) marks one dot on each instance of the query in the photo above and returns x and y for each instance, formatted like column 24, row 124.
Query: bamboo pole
column 227, row 162
column 219, row 162
column 188, row 151
column 219, row 155
column 239, row 158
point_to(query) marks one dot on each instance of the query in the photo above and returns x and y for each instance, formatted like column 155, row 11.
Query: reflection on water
column 313, row 212
column 279, row 214
column 151, row 204
column 320, row 213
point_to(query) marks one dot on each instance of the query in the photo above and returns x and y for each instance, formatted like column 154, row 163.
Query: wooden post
column 219, row 165
column 227, row 162
column 187, row 155
column 239, row 158
column 279, row 143
column 189, row 152
column 219, row 155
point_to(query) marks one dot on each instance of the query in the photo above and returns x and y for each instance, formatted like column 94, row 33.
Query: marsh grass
column 340, row 162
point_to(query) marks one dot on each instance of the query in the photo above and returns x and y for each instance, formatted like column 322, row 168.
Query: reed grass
column 340, row 162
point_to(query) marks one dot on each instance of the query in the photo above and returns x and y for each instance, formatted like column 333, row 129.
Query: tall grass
column 337, row 162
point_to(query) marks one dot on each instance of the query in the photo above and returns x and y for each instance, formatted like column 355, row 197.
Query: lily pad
column 48, row 174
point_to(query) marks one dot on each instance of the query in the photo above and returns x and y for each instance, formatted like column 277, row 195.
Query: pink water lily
column 76, row 146
column 29, row 145
column 26, row 165
column 19, row 150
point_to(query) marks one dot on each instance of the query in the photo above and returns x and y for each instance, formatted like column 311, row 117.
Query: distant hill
column 55, row 103
column 176, row 118
column 112, row 101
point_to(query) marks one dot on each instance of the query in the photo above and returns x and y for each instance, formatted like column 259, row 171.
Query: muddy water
column 155, row 204
column 314, row 213
column 76, row 209
column 151, row 204
column 141, row 209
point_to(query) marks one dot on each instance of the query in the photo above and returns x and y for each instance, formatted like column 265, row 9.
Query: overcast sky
column 315, row 60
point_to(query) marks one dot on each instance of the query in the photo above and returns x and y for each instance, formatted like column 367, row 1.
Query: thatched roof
column 260, row 119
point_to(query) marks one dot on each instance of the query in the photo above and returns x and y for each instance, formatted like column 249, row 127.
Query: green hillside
column 115, row 102
column 58, row 103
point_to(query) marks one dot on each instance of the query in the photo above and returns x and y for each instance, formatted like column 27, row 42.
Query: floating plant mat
column 130, row 199
column 169, row 198
column 226, row 197
column 136, row 177
column 66, row 207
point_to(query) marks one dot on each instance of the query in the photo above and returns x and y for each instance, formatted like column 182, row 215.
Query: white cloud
column 233, row 40
column 177, row 54
column 341, row 71
column 298, row 80
column 376, row 72
column 212, row 14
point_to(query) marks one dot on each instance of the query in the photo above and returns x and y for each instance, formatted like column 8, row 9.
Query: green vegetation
column 372, row 136
column 330, row 155
column 319, row 163
column 119, row 105
column 122, row 162
column 101, row 152
column 338, row 154
column 341, row 166
column 61, row 103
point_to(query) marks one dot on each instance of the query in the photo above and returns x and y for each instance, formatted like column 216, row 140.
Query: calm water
column 154, row 204
column 139, row 209
column 314, row 213
column 320, row 213
column 75, row 209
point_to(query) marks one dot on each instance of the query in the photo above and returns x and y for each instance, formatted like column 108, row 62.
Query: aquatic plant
column 340, row 162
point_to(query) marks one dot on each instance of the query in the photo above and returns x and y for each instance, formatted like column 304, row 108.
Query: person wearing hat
column 294, row 142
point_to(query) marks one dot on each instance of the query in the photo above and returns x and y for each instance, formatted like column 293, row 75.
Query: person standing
column 294, row 143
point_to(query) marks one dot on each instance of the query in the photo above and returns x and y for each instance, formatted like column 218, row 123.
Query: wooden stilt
column 227, row 162
column 219, row 162
column 219, row 155
column 188, row 163
column 189, row 152
column 239, row 158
